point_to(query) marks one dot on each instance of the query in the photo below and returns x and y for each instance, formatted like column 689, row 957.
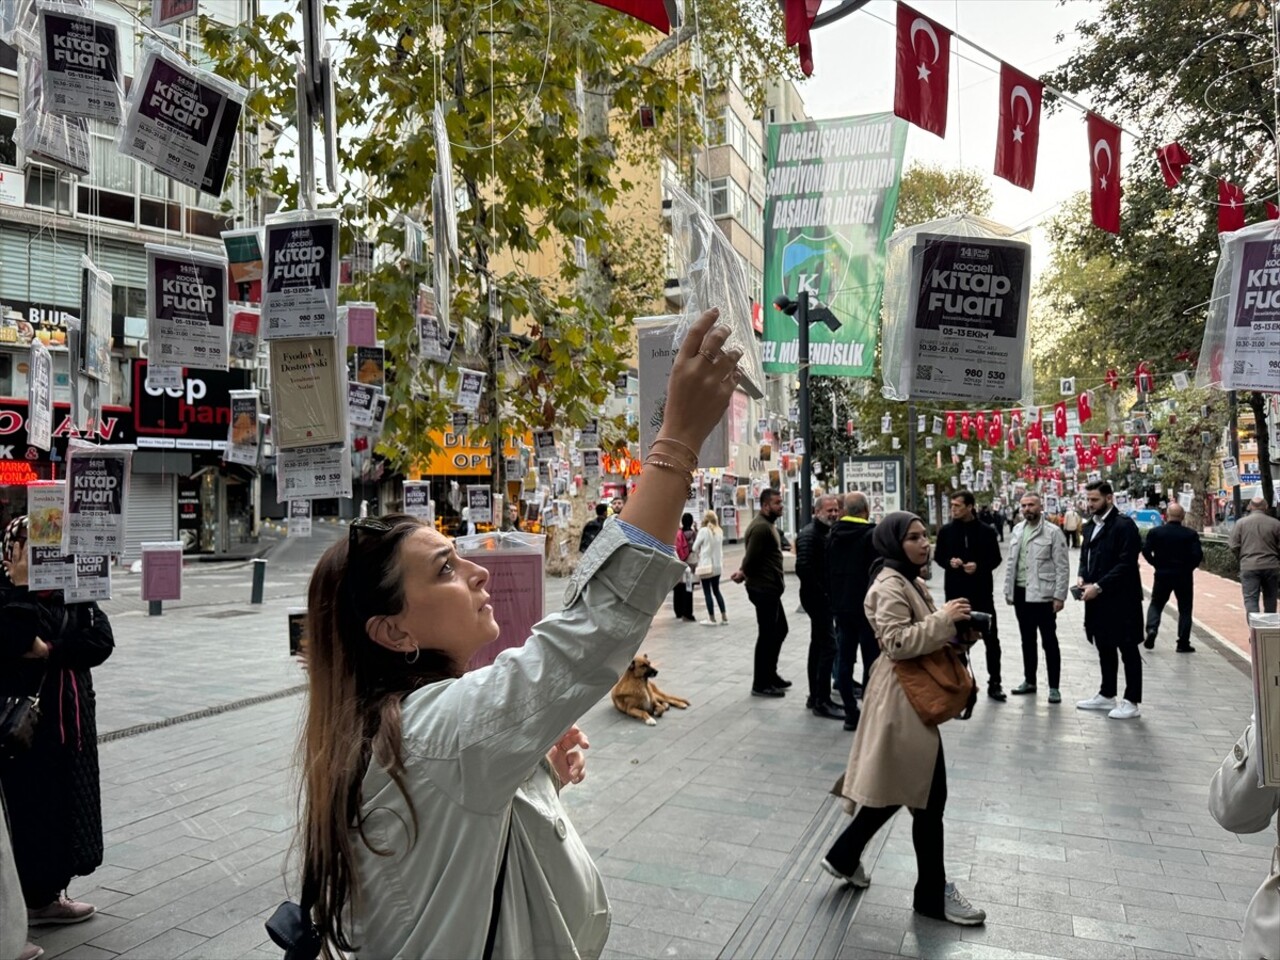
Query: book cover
column 308, row 392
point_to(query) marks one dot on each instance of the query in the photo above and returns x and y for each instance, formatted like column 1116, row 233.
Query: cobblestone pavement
column 1081, row 836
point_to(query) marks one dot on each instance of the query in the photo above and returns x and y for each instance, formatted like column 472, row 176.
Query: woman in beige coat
column 896, row 759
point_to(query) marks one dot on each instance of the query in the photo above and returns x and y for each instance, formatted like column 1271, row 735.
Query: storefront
column 179, row 482
column 22, row 464
column 462, row 460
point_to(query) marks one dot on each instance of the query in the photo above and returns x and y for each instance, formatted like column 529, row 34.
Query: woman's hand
column 566, row 757
column 702, row 382
column 957, row 610
column 39, row 650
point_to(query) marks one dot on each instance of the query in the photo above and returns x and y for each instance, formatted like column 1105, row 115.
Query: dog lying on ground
column 636, row 695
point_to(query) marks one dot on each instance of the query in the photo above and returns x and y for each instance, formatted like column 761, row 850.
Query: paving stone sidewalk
column 1081, row 836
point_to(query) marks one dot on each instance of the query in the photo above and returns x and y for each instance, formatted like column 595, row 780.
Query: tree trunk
column 1258, row 403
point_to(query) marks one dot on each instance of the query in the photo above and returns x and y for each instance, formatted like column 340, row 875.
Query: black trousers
column 1116, row 641
column 1039, row 618
column 988, row 605
column 1182, row 587
column 854, row 633
column 771, row 625
column 682, row 601
column 822, row 646
column 926, row 837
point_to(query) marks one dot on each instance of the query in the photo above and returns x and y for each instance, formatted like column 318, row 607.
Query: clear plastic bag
column 181, row 120
column 61, row 142
column 712, row 275
column 82, row 67
column 956, row 297
column 187, row 308
column 1240, row 349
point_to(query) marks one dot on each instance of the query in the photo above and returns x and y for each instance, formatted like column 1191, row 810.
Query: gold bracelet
column 654, row 461
column 679, row 460
column 692, row 453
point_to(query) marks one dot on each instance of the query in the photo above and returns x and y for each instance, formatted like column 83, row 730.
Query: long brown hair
column 353, row 711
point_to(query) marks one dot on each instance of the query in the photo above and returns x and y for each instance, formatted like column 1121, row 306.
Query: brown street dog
column 636, row 695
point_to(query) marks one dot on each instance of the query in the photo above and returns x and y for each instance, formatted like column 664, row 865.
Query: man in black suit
column 1175, row 552
column 1111, row 589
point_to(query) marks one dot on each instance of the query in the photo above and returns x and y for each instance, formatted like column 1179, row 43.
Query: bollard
column 154, row 608
column 259, row 580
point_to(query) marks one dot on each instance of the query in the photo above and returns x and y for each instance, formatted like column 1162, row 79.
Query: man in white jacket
column 1035, row 582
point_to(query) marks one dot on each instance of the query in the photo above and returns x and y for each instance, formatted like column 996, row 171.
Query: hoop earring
column 413, row 657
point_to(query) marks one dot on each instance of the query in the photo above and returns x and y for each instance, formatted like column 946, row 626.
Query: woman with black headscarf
column 896, row 759
column 51, row 788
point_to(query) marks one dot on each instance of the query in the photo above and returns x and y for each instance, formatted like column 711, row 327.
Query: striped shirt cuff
column 640, row 538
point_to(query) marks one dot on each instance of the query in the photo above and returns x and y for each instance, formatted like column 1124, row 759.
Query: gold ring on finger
column 711, row 358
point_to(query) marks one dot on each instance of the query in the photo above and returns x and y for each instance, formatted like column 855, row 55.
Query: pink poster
column 515, row 586
column 162, row 572
column 362, row 325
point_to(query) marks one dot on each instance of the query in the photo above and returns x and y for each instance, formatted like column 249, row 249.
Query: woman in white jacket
column 432, row 825
column 708, row 548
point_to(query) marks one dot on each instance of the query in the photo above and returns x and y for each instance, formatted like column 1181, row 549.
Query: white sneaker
column 957, row 909
column 724, row 621
column 1125, row 711
column 707, row 623
column 858, row 878
column 1097, row 702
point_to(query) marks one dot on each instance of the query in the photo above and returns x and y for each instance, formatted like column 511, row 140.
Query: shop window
column 8, row 145
column 128, row 301
column 6, row 374
column 159, row 215
column 205, row 224
column 47, row 188
column 105, row 204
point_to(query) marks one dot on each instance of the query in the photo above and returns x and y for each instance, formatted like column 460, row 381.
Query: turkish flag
column 1018, row 139
column 1042, row 457
column 799, row 18
column 951, row 424
column 1084, row 407
column 656, row 13
column 996, row 430
column 1273, row 212
column 1113, row 379
column 1104, row 172
column 1036, row 430
column 1153, row 443
column 1060, row 418
column 1136, row 452
column 924, row 63
column 1172, row 159
column 1109, row 455
column 1095, row 447
column 1079, row 447
column 1142, row 377
column 966, row 422
column 980, row 426
column 1230, row 207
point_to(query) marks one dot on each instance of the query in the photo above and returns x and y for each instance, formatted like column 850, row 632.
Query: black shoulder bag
column 292, row 930
column 20, row 713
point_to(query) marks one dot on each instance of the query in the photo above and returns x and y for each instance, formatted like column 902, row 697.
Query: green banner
column 831, row 193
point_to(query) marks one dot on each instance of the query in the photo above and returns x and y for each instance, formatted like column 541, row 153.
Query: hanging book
column 308, row 394
column 244, row 263
column 186, row 308
column 82, row 76
column 300, row 297
column 165, row 12
column 242, row 435
column 95, row 321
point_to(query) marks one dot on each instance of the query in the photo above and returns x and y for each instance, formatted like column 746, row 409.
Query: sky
column 854, row 73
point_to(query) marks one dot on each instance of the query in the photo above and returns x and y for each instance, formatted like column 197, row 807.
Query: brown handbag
column 939, row 685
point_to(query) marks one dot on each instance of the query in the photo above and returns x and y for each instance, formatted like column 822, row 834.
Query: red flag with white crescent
column 1104, row 173
column 1079, row 446
column 924, row 64
column 1230, row 207
column 1273, row 211
column 1109, row 454
column 1018, row 139
column 996, row 430
column 1095, row 447
column 1060, row 418
column 1036, row 430
column 980, row 425
column 1113, row 379
column 1084, row 407
column 656, row 13
column 951, row 424
column 966, row 422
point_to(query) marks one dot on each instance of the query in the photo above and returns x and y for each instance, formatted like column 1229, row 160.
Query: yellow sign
column 461, row 455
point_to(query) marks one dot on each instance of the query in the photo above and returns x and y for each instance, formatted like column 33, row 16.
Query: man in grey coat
column 1255, row 541
column 1035, row 582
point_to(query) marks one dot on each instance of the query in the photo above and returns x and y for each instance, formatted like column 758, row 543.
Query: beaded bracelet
column 693, row 454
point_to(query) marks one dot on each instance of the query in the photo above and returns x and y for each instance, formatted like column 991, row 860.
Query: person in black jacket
column 849, row 558
column 591, row 529
column 811, row 568
column 1175, row 552
column 52, row 789
column 968, row 552
column 1111, row 589
column 761, row 571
